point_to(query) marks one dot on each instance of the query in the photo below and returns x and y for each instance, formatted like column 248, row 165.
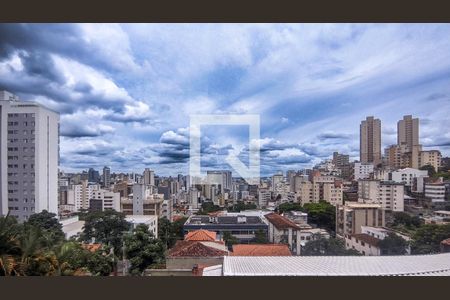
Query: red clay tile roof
column 200, row 235
column 195, row 249
column 367, row 239
column 261, row 250
column 281, row 222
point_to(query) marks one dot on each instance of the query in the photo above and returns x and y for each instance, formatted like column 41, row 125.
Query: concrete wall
column 189, row 262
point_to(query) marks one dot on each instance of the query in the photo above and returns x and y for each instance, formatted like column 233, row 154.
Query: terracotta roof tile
column 367, row 239
column 196, row 249
column 200, row 235
column 281, row 222
column 261, row 250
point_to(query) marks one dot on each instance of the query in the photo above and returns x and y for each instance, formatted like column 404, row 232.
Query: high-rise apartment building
column 370, row 141
column 340, row 160
column 29, row 152
column 408, row 132
column 149, row 177
column 106, row 177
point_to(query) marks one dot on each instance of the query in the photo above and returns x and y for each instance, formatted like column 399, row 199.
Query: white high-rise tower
column 29, row 152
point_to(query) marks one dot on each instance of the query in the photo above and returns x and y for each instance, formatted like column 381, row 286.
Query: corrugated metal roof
column 426, row 265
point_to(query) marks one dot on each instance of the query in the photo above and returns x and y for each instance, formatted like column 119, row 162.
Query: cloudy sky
column 125, row 91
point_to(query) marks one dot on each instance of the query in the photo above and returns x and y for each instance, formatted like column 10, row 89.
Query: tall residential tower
column 29, row 152
column 370, row 141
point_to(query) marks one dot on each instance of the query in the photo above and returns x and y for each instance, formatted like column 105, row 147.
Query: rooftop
column 200, row 235
column 373, row 241
column 223, row 220
column 198, row 249
column 280, row 222
column 361, row 205
column 261, row 250
column 406, row 265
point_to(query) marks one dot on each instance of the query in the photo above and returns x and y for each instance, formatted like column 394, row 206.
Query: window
column 362, row 243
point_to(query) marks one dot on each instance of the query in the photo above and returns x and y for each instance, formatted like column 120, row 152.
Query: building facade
column 370, row 141
column 29, row 152
column 351, row 216
column 389, row 194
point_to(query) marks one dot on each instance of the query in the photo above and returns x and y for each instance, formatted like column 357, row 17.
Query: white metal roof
column 407, row 265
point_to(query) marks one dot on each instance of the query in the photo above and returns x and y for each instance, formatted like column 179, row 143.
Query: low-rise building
column 389, row 194
column 407, row 176
column 367, row 242
column 102, row 200
column 284, row 231
column 406, row 265
column 244, row 228
column 351, row 216
column 298, row 217
column 200, row 247
column 264, row 196
column 363, row 243
column 435, row 191
column 362, row 170
column 150, row 221
column 431, row 158
column 261, row 250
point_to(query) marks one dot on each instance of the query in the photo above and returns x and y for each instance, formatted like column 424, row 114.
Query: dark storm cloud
column 81, row 130
column 40, row 64
column 333, row 135
column 64, row 39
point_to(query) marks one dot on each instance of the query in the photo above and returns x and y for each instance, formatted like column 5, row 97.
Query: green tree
column 170, row 232
column 427, row 238
column 327, row 247
column 51, row 229
column 260, row 237
column 208, row 207
column 322, row 214
column 143, row 249
column 101, row 262
column 105, row 227
column 229, row 239
column 289, row 207
column 9, row 236
column 430, row 169
column 10, row 250
column 37, row 259
column 71, row 257
column 393, row 245
column 404, row 219
column 240, row 206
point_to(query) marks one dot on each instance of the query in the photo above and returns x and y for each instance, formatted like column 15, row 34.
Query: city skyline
column 125, row 92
